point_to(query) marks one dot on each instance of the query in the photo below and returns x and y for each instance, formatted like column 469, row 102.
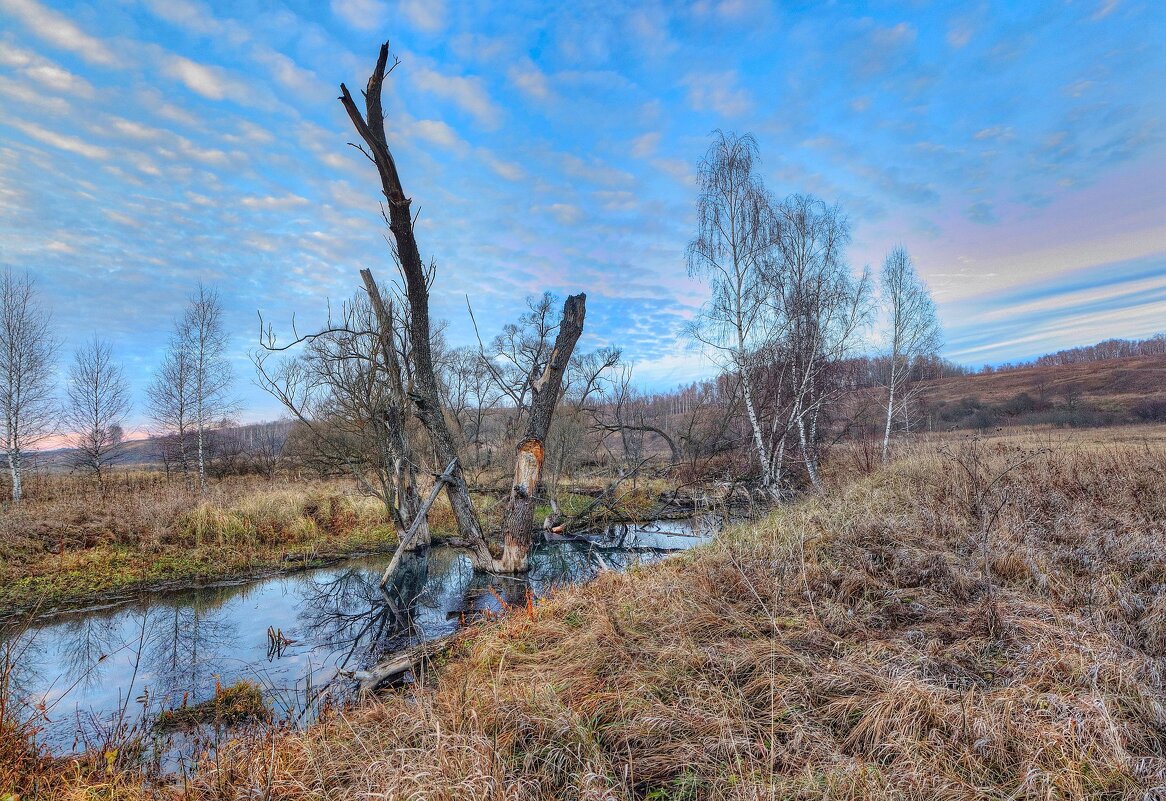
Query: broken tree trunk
column 400, row 663
column 518, row 521
column 425, row 392
column 393, row 419
column 425, row 395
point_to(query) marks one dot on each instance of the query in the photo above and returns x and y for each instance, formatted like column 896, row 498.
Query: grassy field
column 69, row 543
column 980, row 619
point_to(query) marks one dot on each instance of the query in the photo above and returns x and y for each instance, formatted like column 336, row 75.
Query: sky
column 1015, row 149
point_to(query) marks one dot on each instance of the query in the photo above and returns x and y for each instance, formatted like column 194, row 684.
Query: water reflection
column 296, row 636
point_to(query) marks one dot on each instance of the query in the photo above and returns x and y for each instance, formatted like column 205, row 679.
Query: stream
column 101, row 673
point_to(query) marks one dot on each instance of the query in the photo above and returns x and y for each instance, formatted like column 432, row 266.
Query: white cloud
column 1105, row 8
column 717, row 92
column 959, row 34
column 285, row 71
column 59, row 30
column 994, row 132
column 531, row 81
column 62, row 141
column 212, row 83
column 22, row 93
column 565, row 213
column 438, row 133
column 645, row 144
column 682, row 171
column 468, row 93
column 44, row 71
column 425, row 15
column 503, row 169
column 194, row 17
column 364, row 15
column 274, row 202
column 136, row 130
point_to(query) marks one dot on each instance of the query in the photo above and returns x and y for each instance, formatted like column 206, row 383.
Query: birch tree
column 732, row 250
column 97, row 401
column 27, row 372
column 818, row 306
column 912, row 330
column 200, row 333
column 171, row 404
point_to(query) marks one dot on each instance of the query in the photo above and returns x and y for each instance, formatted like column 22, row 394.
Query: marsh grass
column 845, row 647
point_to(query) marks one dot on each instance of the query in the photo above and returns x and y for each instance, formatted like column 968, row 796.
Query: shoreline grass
column 849, row 646
column 979, row 619
column 71, row 545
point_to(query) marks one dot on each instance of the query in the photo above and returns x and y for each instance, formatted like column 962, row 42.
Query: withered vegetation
column 849, row 646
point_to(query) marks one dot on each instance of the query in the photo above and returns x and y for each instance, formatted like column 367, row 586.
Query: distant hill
column 225, row 443
column 133, row 453
column 1097, row 392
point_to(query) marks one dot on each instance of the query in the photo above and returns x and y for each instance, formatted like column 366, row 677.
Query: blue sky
column 1015, row 149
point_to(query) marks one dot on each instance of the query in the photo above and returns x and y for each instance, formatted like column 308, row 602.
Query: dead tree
column 426, row 392
column 518, row 525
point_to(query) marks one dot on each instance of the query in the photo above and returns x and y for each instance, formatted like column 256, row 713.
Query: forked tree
column 426, row 395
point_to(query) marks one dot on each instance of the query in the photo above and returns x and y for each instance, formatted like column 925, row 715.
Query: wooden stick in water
column 417, row 521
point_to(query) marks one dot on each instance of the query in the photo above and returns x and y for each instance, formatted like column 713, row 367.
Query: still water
column 95, row 669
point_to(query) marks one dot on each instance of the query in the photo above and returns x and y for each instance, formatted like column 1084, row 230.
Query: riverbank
column 856, row 645
column 978, row 619
column 70, row 545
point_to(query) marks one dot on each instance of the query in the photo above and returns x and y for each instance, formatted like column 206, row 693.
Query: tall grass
column 71, row 541
column 846, row 647
column 979, row 619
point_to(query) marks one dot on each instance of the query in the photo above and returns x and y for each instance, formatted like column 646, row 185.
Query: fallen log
column 398, row 664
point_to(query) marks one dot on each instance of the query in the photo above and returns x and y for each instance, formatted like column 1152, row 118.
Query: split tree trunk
column 425, row 394
column 518, row 522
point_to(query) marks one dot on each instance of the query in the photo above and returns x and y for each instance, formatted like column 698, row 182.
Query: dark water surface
column 92, row 669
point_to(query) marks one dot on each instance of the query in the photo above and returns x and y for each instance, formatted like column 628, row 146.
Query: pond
column 97, row 671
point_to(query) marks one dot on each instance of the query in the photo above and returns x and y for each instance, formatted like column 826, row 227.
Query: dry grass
column 69, row 542
column 847, row 647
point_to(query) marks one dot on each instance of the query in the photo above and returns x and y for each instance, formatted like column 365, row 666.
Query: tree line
column 189, row 394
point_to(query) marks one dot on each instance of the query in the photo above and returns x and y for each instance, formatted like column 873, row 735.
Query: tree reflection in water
column 330, row 621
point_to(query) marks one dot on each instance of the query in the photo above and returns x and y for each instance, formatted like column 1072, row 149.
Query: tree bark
column 426, row 396
column 15, row 468
column 518, row 521
column 890, row 414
